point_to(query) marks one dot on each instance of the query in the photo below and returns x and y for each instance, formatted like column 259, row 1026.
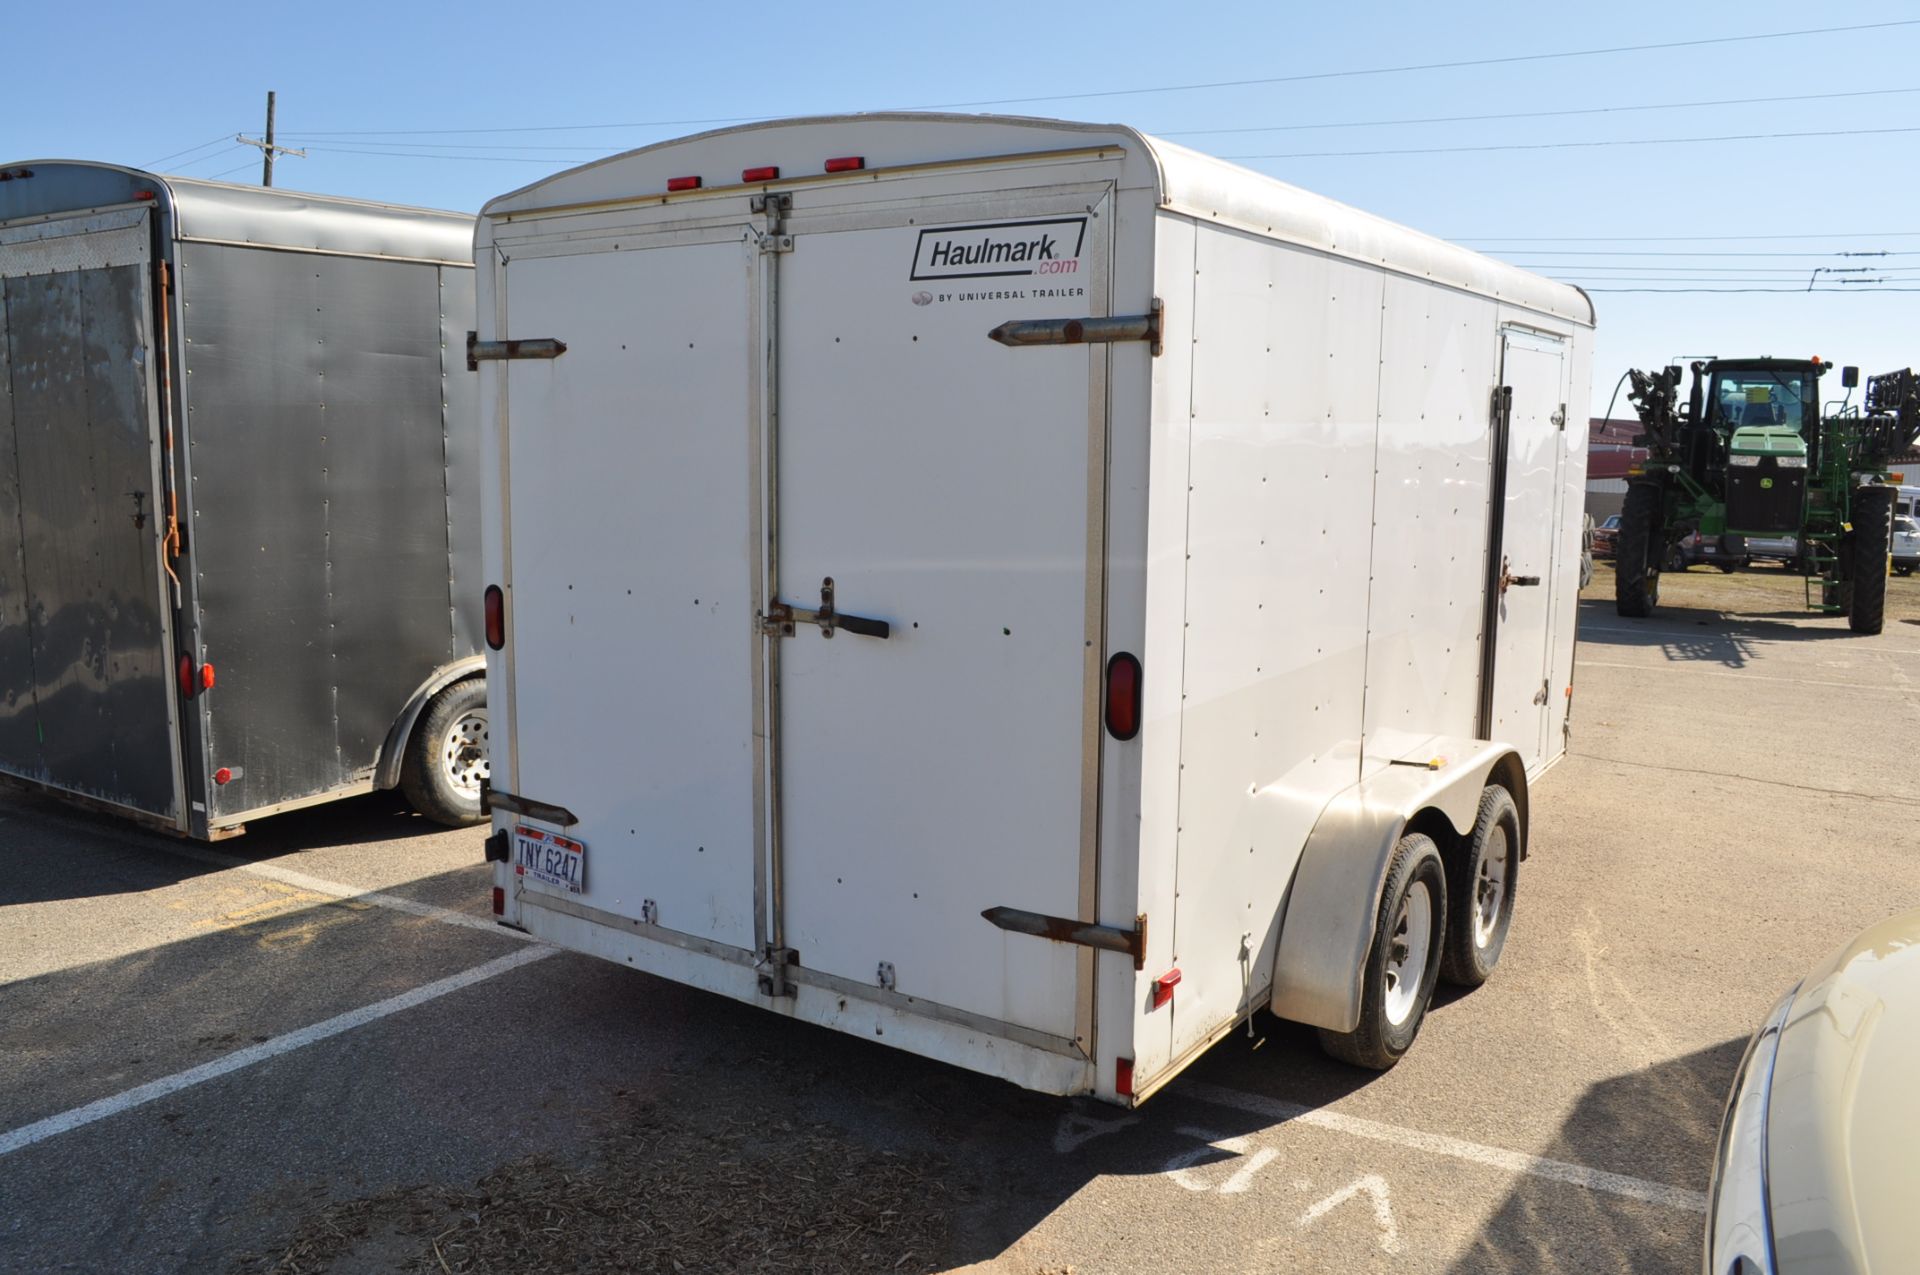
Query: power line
column 1795, row 291
column 478, row 159
column 1584, row 268
column 1554, row 146
column 1615, row 252
column 1530, row 115
column 1425, row 66
column 1168, row 88
column 1862, row 234
column 228, row 149
column 177, row 154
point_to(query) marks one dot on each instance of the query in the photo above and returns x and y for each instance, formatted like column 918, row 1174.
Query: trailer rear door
column 86, row 692
column 755, row 400
column 940, row 481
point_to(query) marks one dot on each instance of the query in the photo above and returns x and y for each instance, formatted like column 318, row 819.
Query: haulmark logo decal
column 1005, row 250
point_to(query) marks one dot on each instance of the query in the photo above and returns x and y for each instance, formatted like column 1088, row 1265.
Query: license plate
column 549, row 857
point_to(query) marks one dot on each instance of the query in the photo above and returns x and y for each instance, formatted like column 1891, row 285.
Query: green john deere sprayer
column 1751, row 454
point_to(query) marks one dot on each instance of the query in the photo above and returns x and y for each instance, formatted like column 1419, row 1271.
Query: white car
column 1906, row 546
column 1818, row 1167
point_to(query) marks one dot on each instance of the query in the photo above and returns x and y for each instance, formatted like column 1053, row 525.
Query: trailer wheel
column 1480, row 885
column 1872, row 541
column 447, row 757
column 1638, row 550
column 1404, row 962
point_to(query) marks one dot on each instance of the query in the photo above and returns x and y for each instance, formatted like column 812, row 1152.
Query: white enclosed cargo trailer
column 1019, row 591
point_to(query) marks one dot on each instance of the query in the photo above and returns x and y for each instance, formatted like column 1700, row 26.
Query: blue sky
column 98, row 82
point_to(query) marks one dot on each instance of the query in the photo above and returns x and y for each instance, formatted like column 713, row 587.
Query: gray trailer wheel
column 447, row 756
column 1480, row 881
column 1404, row 962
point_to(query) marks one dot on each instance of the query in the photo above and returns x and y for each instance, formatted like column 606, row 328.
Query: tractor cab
column 1760, row 418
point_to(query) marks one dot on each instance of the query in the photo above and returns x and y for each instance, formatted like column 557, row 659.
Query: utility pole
column 267, row 149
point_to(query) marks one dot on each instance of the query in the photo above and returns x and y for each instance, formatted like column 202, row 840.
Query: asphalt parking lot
column 310, row 1049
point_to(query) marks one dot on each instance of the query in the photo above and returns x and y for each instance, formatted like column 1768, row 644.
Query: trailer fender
column 1331, row 908
column 387, row 773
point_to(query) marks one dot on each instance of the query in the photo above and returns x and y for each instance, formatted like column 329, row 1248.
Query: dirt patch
column 1759, row 592
column 672, row 1190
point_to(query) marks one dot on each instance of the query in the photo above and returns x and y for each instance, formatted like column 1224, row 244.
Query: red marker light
column 188, row 681
column 1123, row 1077
column 683, row 183
column 499, row 901
column 496, row 609
column 1123, row 696
column 847, row 164
column 767, row 174
column 223, row 776
column 1163, row 987
column 206, row 677
column 146, row 196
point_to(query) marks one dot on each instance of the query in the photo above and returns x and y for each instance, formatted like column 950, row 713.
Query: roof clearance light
column 496, row 611
column 847, row 164
column 682, row 183
column 146, row 196
column 767, row 174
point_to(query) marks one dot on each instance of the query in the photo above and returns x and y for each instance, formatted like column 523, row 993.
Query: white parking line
column 67, row 1121
column 1672, row 1197
column 340, row 890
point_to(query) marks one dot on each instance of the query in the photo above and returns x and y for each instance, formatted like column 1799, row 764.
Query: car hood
column 1843, row 1117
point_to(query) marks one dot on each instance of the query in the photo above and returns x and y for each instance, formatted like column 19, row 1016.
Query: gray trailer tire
column 1407, row 941
column 446, row 756
column 1872, row 540
column 1480, row 885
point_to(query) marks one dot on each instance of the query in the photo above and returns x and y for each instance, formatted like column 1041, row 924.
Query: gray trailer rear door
column 86, row 695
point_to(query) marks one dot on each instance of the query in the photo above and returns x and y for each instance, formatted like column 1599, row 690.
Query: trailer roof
column 223, row 212
column 1183, row 181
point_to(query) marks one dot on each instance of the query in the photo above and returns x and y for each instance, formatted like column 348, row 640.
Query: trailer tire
column 1638, row 547
column 446, row 757
column 1872, row 518
column 1480, row 884
column 1407, row 940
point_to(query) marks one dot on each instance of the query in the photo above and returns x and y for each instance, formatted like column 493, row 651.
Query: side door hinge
column 1560, row 417
column 1062, row 929
column 541, row 347
column 1093, row 330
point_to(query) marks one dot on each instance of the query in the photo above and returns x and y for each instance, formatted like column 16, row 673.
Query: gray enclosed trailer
column 238, row 498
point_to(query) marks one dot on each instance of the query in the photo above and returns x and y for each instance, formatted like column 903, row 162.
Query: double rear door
column 770, row 410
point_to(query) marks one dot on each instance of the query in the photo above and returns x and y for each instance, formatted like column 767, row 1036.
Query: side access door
column 1516, row 699
column 87, row 700
column 942, row 495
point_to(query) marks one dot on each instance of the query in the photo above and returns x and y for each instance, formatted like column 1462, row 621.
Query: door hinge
column 1094, row 330
column 540, row 347
column 1560, row 417
column 776, row 243
column 772, row 968
column 1061, row 929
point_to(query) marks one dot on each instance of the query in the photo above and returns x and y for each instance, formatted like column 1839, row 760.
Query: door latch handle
column 781, row 618
column 1509, row 580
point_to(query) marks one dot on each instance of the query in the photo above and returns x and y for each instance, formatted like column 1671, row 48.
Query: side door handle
column 1509, row 580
